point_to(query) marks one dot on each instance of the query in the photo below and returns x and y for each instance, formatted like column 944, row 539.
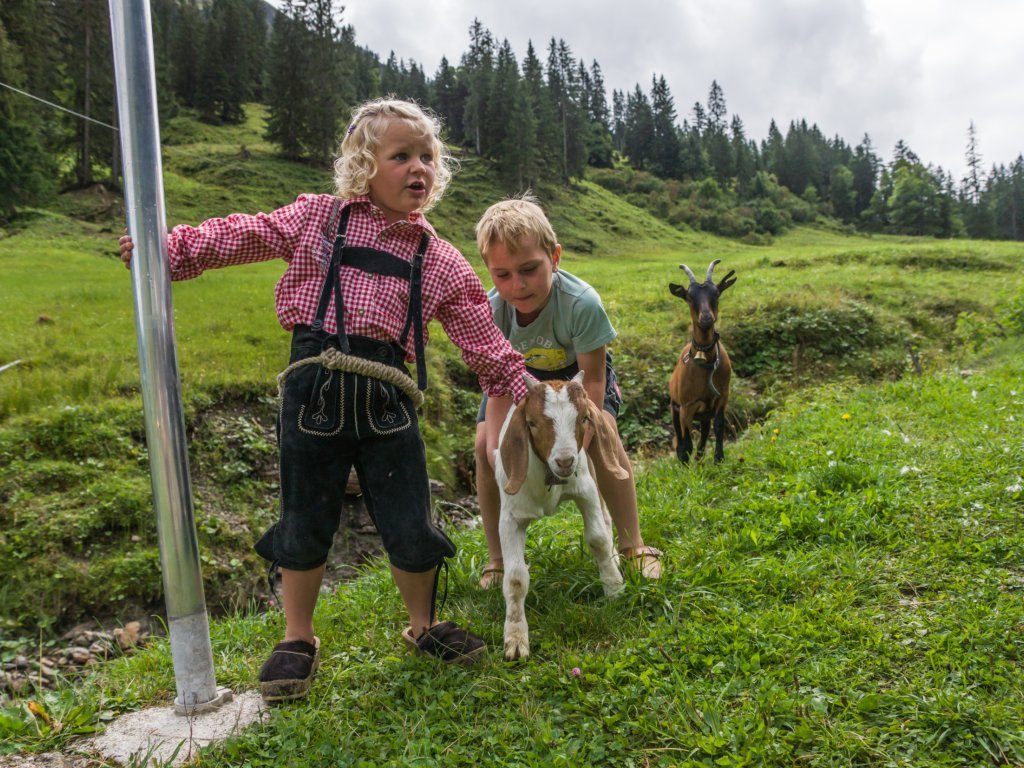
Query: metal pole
column 131, row 35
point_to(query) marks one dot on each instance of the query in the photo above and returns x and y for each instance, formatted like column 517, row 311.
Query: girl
column 366, row 273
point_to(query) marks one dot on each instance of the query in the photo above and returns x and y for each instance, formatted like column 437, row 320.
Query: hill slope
column 74, row 489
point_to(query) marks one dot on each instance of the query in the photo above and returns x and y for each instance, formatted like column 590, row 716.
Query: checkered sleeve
column 240, row 238
column 465, row 315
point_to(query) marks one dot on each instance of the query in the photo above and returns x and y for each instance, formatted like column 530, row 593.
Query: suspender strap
column 332, row 283
column 414, row 317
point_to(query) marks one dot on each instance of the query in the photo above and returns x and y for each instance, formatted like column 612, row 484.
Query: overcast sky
column 917, row 70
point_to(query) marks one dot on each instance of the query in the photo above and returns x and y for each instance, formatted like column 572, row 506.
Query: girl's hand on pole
column 125, row 246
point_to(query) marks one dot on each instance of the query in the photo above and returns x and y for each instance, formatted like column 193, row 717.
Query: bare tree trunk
column 85, row 170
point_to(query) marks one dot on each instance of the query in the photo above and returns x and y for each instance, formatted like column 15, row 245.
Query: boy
column 559, row 325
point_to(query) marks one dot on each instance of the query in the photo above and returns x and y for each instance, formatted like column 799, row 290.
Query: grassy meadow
column 845, row 589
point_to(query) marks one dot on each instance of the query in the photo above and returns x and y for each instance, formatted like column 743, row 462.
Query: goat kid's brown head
column 551, row 421
column 702, row 297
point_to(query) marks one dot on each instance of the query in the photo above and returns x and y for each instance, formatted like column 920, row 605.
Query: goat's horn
column 711, row 269
column 689, row 274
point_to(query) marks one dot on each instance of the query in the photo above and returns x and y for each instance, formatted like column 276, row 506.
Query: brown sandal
column 492, row 574
column 448, row 642
column 644, row 560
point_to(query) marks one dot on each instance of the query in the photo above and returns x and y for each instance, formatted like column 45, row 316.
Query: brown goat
column 699, row 385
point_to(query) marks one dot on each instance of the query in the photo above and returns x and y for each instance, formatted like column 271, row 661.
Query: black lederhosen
column 331, row 421
column 612, row 393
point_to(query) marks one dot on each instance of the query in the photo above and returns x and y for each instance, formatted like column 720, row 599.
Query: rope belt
column 339, row 361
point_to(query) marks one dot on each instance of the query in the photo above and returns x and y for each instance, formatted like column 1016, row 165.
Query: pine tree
column 618, row 119
column 25, row 167
column 744, row 153
column 330, row 87
column 865, row 166
column 289, row 89
column 639, row 134
column 548, row 139
column 974, row 178
column 504, row 90
column 478, row 68
column 448, row 99
column 597, row 99
column 186, row 35
column 89, row 79
column 665, row 160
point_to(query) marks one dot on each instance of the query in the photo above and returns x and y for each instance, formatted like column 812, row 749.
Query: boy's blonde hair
column 356, row 163
column 516, row 223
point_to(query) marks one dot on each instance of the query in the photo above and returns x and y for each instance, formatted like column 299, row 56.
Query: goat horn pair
column 693, row 278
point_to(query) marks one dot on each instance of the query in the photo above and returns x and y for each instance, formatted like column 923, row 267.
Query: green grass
column 844, row 590
column 841, row 591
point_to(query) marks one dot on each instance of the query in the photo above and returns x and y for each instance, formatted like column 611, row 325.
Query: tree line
column 544, row 118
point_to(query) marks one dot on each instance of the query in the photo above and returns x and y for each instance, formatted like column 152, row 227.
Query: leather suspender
column 381, row 263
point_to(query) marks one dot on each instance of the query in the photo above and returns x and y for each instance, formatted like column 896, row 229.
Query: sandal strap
column 295, row 648
column 635, row 552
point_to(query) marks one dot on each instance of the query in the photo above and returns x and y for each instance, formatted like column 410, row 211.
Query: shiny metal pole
column 131, row 35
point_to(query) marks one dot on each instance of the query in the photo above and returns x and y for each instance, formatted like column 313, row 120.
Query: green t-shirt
column 572, row 322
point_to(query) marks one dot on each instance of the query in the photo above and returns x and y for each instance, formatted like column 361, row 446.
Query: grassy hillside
column 74, row 491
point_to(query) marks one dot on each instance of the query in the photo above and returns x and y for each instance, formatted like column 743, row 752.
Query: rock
column 78, row 655
column 129, row 635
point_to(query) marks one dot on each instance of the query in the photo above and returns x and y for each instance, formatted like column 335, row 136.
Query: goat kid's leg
column 597, row 532
column 515, row 585
column 719, row 436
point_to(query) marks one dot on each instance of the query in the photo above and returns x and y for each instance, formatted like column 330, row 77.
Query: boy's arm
column 494, row 418
column 593, row 366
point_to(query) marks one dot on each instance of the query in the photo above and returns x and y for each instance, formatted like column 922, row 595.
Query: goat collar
column 704, row 347
column 712, row 366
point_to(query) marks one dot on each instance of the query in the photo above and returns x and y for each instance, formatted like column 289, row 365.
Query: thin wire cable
column 58, row 106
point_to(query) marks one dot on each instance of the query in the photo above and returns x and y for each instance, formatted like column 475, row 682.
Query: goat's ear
column 726, row 281
column 578, row 378
column 515, row 450
column 604, row 446
column 679, row 291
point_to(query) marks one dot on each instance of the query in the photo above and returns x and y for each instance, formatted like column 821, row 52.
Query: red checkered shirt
column 375, row 305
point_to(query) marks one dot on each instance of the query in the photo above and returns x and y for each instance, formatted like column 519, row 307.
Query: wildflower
column 576, row 672
column 846, row 417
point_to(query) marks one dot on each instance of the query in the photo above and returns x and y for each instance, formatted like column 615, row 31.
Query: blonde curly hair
column 518, row 222
column 356, row 163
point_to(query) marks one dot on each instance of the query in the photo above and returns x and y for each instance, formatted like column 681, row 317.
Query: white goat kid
column 541, row 462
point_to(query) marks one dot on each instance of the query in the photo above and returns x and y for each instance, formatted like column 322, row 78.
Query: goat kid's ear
column 604, row 445
column 514, row 450
column 530, row 382
column 679, row 291
column 578, row 378
column 726, row 281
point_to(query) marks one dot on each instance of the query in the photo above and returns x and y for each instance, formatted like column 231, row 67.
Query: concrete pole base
column 223, row 696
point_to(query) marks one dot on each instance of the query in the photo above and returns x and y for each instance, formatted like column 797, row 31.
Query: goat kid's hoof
column 517, row 644
column 614, row 590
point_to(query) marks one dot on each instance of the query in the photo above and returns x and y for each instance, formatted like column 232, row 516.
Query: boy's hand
column 126, row 246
